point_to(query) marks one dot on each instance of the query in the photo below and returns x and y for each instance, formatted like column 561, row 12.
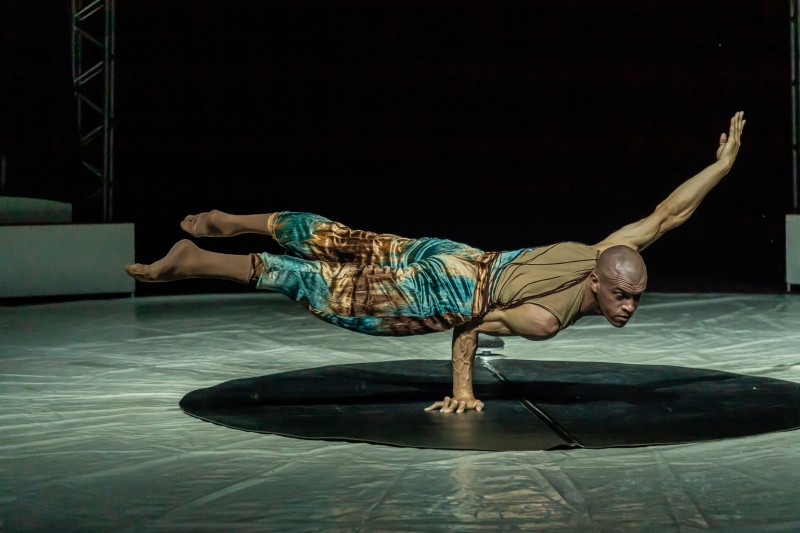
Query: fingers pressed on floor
column 435, row 405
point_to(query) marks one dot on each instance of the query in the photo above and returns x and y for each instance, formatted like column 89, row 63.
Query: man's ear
column 593, row 281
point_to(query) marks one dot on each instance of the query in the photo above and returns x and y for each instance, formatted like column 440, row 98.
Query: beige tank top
column 553, row 277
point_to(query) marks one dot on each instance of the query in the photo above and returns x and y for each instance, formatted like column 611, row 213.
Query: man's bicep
column 531, row 321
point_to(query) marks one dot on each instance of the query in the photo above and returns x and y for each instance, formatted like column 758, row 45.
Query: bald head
column 620, row 264
column 617, row 284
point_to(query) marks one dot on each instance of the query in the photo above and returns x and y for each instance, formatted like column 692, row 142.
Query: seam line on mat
column 534, row 409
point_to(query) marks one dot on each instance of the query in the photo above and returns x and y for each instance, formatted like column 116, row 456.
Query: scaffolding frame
column 93, row 85
column 795, row 60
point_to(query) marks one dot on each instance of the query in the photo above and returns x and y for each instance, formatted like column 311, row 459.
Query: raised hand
column 458, row 405
column 729, row 144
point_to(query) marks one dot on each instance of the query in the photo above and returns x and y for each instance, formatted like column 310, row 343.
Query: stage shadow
column 530, row 405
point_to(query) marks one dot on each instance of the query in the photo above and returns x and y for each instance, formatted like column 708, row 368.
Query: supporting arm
column 465, row 344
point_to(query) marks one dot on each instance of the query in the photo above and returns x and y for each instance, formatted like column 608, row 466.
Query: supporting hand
column 459, row 404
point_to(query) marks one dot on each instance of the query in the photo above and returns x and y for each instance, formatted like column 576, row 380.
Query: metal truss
column 795, row 58
column 93, row 83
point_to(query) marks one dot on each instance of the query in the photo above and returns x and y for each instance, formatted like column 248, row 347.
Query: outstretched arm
column 683, row 201
column 465, row 344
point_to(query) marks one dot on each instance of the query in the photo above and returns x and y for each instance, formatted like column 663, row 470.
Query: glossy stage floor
column 92, row 437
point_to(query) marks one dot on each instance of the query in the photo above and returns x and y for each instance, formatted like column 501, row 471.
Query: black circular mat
column 530, row 405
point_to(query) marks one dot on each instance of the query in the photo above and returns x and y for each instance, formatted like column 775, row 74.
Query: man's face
column 617, row 297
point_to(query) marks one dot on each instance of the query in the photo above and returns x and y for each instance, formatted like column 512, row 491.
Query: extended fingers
column 737, row 125
column 729, row 144
column 435, row 405
column 448, row 405
column 452, row 405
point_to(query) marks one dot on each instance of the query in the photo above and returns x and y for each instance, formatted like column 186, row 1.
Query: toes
column 188, row 224
column 204, row 224
column 136, row 271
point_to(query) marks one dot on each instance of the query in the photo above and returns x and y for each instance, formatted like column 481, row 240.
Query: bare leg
column 186, row 260
column 216, row 223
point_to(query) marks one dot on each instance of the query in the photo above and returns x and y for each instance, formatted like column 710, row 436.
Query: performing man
column 382, row 284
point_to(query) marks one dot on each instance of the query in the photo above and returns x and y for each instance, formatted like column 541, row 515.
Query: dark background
column 499, row 124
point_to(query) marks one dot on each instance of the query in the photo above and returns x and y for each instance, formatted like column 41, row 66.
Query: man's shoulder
column 572, row 248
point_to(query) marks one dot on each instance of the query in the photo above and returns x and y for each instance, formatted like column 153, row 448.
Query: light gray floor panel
column 92, row 439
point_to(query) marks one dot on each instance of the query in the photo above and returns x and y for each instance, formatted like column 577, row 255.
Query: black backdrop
column 500, row 124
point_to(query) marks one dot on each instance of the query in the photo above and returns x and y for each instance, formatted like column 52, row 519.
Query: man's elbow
column 673, row 214
column 551, row 328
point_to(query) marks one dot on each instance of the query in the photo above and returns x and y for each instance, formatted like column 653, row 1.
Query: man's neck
column 589, row 303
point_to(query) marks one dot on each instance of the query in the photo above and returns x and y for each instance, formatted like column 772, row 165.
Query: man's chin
column 618, row 322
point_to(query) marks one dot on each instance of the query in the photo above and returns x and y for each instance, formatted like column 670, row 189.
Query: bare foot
column 177, row 264
column 212, row 223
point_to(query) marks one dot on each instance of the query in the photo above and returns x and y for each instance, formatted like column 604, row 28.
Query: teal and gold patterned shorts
column 379, row 284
